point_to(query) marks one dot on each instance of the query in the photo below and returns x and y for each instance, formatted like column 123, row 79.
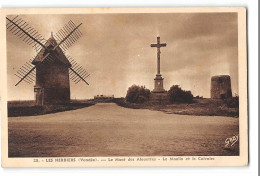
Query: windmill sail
column 77, row 72
column 26, row 33
column 68, row 35
column 23, row 70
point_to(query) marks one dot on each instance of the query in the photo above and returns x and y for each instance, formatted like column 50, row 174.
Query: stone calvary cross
column 158, row 80
column 158, row 45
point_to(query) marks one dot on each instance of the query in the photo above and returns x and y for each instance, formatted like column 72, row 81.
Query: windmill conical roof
column 58, row 53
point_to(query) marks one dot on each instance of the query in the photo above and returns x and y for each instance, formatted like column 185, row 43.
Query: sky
column 115, row 50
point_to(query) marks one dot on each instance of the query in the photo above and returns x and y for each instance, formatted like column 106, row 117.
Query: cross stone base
column 159, row 98
column 158, row 84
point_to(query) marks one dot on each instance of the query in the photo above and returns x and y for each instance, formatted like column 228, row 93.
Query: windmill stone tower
column 220, row 87
column 48, row 88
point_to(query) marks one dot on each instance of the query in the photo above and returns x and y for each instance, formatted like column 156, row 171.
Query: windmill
column 50, row 69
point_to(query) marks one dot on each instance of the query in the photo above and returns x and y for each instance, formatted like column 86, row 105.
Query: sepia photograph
column 126, row 84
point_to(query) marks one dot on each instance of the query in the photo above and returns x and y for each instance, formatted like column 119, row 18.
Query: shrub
column 137, row 94
column 232, row 102
column 199, row 97
column 177, row 95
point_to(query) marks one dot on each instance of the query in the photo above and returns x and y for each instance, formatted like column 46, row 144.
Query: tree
column 137, row 94
column 177, row 95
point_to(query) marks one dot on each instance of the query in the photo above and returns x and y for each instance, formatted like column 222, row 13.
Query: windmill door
column 39, row 95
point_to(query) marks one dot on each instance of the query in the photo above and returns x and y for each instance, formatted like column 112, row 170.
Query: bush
column 177, row 95
column 199, row 97
column 232, row 102
column 137, row 94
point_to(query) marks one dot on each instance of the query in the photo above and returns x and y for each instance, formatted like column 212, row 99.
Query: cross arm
column 159, row 45
column 163, row 45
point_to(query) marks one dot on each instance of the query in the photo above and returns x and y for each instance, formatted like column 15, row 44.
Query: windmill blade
column 25, row 76
column 22, row 30
column 68, row 35
column 26, row 73
column 77, row 72
column 79, row 76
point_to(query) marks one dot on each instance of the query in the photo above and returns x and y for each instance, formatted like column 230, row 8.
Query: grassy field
column 28, row 108
column 200, row 107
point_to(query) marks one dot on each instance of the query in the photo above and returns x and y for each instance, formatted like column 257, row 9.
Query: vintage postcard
column 104, row 87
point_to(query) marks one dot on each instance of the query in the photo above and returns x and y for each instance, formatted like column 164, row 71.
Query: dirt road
column 110, row 130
